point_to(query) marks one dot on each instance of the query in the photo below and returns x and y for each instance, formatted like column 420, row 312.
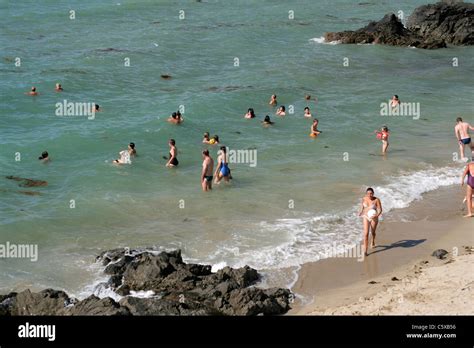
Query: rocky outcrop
column 429, row 27
column 452, row 23
column 172, row 286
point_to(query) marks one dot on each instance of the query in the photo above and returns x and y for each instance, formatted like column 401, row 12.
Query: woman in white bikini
column 370, row 210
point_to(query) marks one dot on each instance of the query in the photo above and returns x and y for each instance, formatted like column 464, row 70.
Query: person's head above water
column 369, row 192
column 174, row 115
column 315, row 120
column 267, row 119
column 282, row 108
column 172, row 142
column 132, row 146
column 459, row 119
column 216, row 138
column 97, row 107
column 395, row 97
column 206, row 135
column 306, row 108
column 33, row 89
column 178, row 114
column 385, row 129
column 43, row 155
column 205, row 153
column 223, row 149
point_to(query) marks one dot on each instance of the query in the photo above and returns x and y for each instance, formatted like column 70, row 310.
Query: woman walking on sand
column 469, row 171
column 370, row 210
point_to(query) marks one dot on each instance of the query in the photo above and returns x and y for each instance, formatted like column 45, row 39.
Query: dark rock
column 24, row 182
column 439, row 253
column 452, row 22
column 429, row 27
column 183, row 289
column 97, row 306
column 46, row 302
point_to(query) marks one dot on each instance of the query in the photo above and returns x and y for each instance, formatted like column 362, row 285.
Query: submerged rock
column 172, row 287
column 27, row 182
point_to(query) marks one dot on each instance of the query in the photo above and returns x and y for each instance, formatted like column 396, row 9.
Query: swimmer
column 250, row 113
column 222, row 169
column 96, row 108
column 281, row 111
column 267, row 121
column 179, row 116
column 273, row 100
column 383, row 135
column 461, row 130
column 214, row 140
column 32, row 92
column 370, row 210
column 172, row 161
column 125, row 155
column 175, row 118
column 314, row 128
column 395, row 101
column 469, row 171
column 206, row 138
column 44, row 157
column 131, row 149
column 307, row 113
column 58, row 88
column 207, row 168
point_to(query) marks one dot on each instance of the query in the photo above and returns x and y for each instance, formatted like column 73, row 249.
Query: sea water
column 223, row 57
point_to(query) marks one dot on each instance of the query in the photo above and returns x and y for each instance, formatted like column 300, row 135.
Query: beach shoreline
column 330, row 285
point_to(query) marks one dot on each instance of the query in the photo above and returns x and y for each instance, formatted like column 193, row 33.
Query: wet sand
column 329, row 286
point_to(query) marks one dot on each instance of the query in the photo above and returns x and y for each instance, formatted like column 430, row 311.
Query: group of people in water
column 371, row 206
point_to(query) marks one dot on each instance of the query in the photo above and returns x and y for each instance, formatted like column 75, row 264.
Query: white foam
column 142, row 294
column 218, row 266
column 321, row 40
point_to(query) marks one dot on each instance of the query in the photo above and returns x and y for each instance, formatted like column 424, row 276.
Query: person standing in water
column 395, row 101
column 314, row 129
column 273, row 100
column 461, row 130
column 58, row 88
column 172, row 161
column 250, row 113
column 222, row 169
column 206, row 138
column 383, row 135
column 307, row 112
column 281, row 111
column 207, row 169
column 370, row 210
column 469, row 171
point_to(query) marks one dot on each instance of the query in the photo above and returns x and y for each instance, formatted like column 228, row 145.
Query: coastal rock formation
column 430, row 26
column 172, row 287
column 451, row 22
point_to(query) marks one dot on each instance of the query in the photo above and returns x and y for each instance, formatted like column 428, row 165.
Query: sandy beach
column 400, row 276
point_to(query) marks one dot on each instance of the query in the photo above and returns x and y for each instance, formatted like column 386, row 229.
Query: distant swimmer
column 273, row 100
column 172, row 161
column 214, row 140
column 96, row 108
column 206, row 138
column 58, row 88
column 395, row 101
column 383, row 135
column 314, row 129
column 267, row 121
column 307, row 112
column 281, row 111
column 370, row 210
column 222, row 169
column 461, row 130
column 125, row 155
column 44, row 157
column 175, row 118
column 33, row 92
column 250, row 113
column 207, row 169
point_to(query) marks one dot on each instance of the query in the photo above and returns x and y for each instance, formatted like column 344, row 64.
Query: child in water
column 383, row 135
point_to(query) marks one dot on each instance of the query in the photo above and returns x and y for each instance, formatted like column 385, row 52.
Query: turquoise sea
column 301, row 196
